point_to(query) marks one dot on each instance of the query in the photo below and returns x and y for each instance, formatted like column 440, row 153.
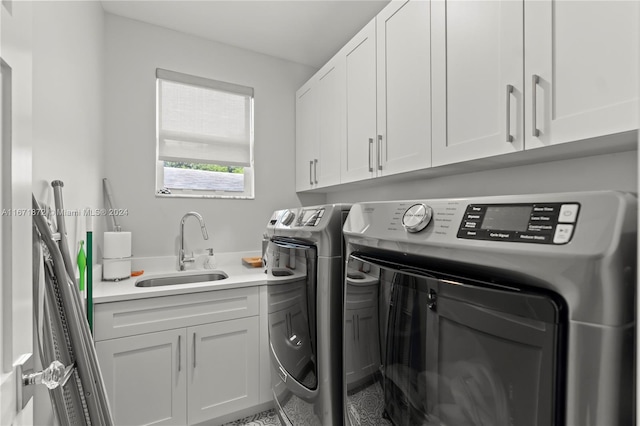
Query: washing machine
column 305, row 269
column 512, row 310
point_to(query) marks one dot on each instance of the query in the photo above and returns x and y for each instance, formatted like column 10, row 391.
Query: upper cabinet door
column 306, row 136
column 331, row 128
column 477, row 79
column 404, row 87
column 584, row 58
column 359, row 151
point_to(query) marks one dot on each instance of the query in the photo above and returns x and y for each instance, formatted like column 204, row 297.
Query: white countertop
column 230, row 263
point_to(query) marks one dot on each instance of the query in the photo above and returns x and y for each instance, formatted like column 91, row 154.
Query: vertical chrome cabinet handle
column 315, row 170
column 535, row 79
column 379, row 152
column 509, row 92
column 179, row 353
column 310, row 173
column 194, row 350
column 370, row 153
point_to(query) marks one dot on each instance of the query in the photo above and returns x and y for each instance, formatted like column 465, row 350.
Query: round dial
column 288, row 217
column 417, row 217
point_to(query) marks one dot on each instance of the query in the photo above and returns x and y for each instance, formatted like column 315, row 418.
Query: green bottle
column 82, row 264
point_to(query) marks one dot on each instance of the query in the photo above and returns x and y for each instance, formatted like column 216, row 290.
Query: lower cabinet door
column 145, row 377
column 223, row 359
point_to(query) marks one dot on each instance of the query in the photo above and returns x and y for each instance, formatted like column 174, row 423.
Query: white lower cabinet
column 184, row 375
column 145, row 377
column 222, row 368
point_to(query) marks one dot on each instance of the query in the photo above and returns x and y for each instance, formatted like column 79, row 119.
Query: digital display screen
column 507, row 218
column 307, row 218
column 307, row 214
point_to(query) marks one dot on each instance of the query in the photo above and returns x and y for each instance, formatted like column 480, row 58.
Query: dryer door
column 291, row 295
column 424, row 348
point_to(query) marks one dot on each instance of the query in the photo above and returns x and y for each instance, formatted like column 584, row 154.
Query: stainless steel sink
column 182, row 279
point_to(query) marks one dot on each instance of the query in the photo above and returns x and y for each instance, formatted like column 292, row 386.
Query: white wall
column 133, row 52
column 617, row 171
column 68, row 51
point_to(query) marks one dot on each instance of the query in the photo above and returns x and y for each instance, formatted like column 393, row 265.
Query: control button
column 563, row 234
column 568, row 213
column 416, row 218
column 545, row 208
column 475, row 209
column 320, row 212
column 534, row 238
column 504, row 236
column 535, row 217
column 316, row 222
column 467, row 234
column 472, row 216
column 540, row 227
column 470, row 224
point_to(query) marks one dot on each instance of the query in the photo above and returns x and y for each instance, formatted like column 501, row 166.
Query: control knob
column 417, row 217
column 288, row 217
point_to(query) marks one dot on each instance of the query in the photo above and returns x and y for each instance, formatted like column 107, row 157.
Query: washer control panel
column 541, row 223
column 417, row 217
column 310, row 217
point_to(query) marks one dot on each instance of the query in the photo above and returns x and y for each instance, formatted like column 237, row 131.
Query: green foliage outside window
column 202, row 166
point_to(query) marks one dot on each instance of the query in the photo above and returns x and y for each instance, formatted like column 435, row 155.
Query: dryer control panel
column 541, row 223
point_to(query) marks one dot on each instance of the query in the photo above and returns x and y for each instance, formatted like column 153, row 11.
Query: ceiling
column 309, row 32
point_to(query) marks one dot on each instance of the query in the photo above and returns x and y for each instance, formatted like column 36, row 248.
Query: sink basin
column 182, row 279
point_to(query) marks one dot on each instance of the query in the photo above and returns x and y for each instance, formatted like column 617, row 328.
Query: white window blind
column 204, row 121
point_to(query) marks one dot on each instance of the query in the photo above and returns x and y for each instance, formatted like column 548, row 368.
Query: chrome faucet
column 182, row 258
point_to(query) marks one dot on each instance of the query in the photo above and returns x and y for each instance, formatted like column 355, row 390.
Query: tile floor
column 266, row 418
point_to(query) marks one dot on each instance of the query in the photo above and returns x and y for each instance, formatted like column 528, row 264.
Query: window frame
column 206, row 83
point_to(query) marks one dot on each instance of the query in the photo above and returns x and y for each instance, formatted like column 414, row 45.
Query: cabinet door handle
column 310, row 173
column 370, row 154
column 509, row 92
column 179, row 353
column 379, row 152
column 194, row 350
column 315, row 170
column 535, row 79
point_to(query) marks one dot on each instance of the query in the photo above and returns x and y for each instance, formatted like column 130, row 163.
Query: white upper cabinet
column 359, row 151
column 306, row 136
column 584, row 55
column 332, row 122
column 388, row 95
column 320, row 127
column 477, row 79
column 436, row 82
column 404, row 87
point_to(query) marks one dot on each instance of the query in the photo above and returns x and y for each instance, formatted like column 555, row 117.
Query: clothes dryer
column 305, row 268
column 512, row 310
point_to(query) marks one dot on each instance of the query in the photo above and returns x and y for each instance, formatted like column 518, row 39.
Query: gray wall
column 133, row 52
column 611, row 171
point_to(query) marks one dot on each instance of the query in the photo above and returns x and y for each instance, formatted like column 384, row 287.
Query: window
column 204, row 137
